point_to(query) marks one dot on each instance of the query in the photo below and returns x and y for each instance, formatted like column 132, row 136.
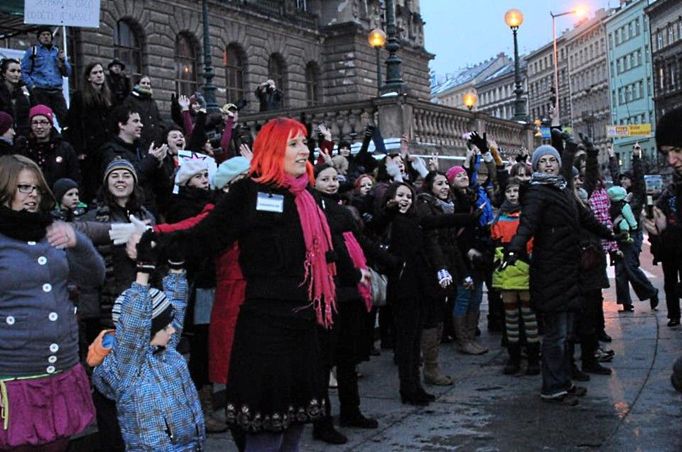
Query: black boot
column 590, row 363
column 324, row 430
column 533, row 352
column 357, row 420
column 513, row 365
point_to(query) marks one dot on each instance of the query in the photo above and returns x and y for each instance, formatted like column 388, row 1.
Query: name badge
column 269, row 202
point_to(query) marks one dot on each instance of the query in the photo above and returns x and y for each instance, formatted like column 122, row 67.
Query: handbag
column 379, row 283
column 590, row 256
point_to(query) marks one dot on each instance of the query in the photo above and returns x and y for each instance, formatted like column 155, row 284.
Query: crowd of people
column 270, row 269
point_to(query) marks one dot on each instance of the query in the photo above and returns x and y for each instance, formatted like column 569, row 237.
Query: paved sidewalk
column 633, row 409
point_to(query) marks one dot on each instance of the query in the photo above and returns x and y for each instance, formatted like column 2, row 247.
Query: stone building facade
column 496, row 93
column 589, row 81
column 315, row 50
column 540, row 73
column 665, row 24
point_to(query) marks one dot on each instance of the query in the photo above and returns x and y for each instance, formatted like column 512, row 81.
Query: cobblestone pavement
column 633, row 409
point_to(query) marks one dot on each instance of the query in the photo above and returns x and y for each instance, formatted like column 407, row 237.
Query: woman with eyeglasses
column 44, row 391
column 15, row 98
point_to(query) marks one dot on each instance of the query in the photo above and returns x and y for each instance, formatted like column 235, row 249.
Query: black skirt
column 274, row 380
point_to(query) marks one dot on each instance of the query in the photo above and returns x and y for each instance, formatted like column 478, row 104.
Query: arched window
column 127, row 47
column 235, row 73
column 185, row 65
column 277, row 72
column 312, row 84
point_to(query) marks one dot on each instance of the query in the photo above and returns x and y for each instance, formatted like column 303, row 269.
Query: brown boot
column 471, row 322
column 463, row 342
column 430, row 343
column 213, row 425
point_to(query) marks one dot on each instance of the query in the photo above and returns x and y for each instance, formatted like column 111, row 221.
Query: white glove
column 487, row 157
column 420, row 167
column 468, row 282
column 393, row 170
column 121, row 232
column 444, row 278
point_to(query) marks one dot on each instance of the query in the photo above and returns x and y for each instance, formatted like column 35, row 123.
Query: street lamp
column 394, row 81
column 580, row 11
column 470, row 100
column 514, row 18
column 209, row 88
column 377, row 39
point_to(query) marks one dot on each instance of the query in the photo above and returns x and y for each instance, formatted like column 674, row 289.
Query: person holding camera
column 42, row 68
column 269, row 96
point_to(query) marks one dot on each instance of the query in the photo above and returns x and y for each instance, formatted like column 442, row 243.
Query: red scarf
column 360, row 262
column 319, row 274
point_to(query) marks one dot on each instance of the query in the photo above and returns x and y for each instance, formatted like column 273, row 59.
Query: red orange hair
column 269, row 147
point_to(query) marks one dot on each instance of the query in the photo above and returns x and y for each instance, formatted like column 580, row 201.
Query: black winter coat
column 145, row 105
column 119, row 85
column 153, row 176
column 553, row 218
column 428, row 206
column 188, row 203
column 56, row 158
column 17, row 103
column 87, row 130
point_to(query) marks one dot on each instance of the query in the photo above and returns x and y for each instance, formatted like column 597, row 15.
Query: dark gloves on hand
column 587, row 142
column 369, row 131
column 175, row 254
column 147, row 252
column 510, row 258
column 481, row 142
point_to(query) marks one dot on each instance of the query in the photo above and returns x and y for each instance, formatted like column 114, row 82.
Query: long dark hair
column 393, row 189
column 4, row 64
column 92, row 97
column 135, row 201
column 382, row 174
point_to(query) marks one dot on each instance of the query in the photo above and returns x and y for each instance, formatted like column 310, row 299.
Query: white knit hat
column 188, row 169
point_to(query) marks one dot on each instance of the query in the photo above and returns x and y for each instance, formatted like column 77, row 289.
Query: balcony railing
column 429, row 125
column 298, row 11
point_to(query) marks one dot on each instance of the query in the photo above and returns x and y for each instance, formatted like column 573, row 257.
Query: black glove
column 175, row 254
column 369, row 131
column 147, row 253
column 481, row 142
column 587, row 142
column 510, row 258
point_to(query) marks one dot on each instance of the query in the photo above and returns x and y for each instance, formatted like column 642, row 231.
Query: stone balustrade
column 428, row 125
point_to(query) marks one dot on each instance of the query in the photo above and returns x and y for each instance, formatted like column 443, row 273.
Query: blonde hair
column 10, row 167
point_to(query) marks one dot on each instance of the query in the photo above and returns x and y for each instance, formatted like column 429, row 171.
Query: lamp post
column 579, row 11
column 377, row 39
column 470, row 100
column 514, row 18
column 209, row 88
column 394, row 80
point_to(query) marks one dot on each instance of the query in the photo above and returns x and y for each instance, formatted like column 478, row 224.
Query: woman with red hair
column 286, row 256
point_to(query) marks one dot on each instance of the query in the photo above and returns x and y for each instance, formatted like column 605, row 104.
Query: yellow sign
column 628, row 130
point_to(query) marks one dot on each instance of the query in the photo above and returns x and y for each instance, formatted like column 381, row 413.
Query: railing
column 344, row 120
column 429, row 125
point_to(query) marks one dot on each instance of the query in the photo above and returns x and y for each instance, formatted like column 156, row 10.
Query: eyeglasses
column 28, row 189
column 40, row 123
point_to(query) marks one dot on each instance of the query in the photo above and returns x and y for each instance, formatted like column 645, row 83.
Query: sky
column 462, row 33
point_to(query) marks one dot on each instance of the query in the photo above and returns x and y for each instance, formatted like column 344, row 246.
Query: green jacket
column 513, row 277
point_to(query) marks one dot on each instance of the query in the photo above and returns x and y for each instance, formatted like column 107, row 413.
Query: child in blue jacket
column 157, row 403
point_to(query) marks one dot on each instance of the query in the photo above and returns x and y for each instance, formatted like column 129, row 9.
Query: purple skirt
column 46, row 409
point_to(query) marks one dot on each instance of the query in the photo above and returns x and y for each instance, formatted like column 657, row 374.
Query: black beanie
column 163, row 311
column 62, row 186
column 667, row 129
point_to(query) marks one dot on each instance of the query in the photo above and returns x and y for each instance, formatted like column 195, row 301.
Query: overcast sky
column 465, row 32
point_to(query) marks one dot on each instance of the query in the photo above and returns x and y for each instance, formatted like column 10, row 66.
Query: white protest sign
column 68, row 13
column 189, row 155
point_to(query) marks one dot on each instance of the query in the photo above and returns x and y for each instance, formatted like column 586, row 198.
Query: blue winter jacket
column 157, row 403
column 42, row 70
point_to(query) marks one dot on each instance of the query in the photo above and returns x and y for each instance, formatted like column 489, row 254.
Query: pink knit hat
column 453, row 172
column 41, row 110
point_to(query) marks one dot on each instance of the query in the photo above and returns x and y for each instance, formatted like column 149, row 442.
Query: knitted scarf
column 319, row 274
column 548, row 179
column 360, row 262
column 23, row 225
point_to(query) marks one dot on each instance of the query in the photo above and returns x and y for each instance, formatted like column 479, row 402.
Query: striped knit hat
column 162, row 310
column 120, row 164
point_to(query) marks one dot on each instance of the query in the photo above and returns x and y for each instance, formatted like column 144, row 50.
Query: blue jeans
column 468, row 299
column 556, row 368
column 286, row 441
